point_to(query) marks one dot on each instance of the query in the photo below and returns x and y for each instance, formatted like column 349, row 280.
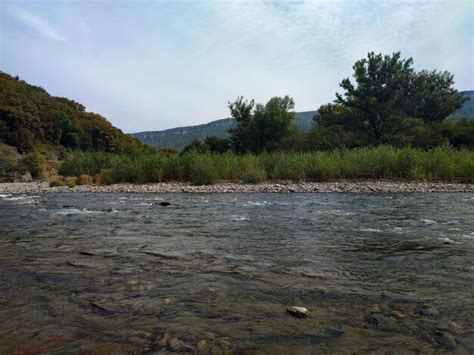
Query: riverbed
column 122, row 272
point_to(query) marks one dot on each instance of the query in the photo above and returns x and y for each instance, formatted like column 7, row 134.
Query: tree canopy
column 388, row 100
column 260, row 127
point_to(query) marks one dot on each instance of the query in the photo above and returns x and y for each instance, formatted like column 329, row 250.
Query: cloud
column 39, row 25
column 155, row 65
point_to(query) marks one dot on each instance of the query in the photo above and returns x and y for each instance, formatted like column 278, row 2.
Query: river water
column 112, row 273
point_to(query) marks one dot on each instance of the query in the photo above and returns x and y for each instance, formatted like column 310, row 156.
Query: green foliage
column 382, row 162
column 30, row 117
column 200, row 169
column 57, row 183
column 8, row 165
column 34, row 162
column 388, row 92
column 260, row 128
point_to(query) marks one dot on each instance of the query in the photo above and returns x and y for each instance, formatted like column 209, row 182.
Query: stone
column 375, row 309
column 176, row 344
column 445, row 340
column 164, row 203
column 298, row 312
column 164, row 341
column 201, row 345
column 428, row 310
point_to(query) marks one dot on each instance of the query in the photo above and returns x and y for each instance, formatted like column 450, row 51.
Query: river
column 118, row 273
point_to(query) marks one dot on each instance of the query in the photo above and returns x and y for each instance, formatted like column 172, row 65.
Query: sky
column 152, row 65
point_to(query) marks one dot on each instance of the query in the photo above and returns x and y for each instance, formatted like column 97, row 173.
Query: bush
column 107, row 177
column 70, row 181
column 34, row 162
column 85, row 179
column 201, row 169
column 57, row 183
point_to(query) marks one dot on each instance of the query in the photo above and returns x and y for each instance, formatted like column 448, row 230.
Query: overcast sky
column 151, row 65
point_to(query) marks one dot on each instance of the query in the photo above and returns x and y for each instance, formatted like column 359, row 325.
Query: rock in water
column 165, row 203
column 298, row 312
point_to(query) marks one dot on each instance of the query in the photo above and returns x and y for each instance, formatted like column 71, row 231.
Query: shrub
column 201, row 169
column 85, row 179
column 107, row 177
column 34, row 162
column 57, row 183
column 70, row 181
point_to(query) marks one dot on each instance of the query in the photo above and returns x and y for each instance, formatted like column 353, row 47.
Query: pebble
column 201, row 345
column 298, row 312
column 428, row 310
column 378, row 186
column 176, row 344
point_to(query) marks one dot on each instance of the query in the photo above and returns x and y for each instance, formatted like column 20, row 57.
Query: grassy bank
column 383, row 162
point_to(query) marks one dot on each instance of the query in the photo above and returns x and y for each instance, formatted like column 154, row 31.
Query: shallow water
column 113, row 272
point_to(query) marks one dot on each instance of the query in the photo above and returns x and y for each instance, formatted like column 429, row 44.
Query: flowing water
column 111, row 273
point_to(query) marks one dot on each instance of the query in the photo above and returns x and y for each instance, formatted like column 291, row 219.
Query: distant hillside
column 467, row 109
column 178, row 138
column 30, row 117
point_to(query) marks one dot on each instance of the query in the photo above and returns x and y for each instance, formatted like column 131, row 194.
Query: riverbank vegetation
column 383, row 162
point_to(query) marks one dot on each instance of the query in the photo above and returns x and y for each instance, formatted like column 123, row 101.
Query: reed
column 383, row 162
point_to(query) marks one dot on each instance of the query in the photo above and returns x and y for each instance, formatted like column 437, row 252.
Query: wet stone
column 201, row 345
column 445, row 339
column 298, row 312
column 428, row 310
column 163, row 341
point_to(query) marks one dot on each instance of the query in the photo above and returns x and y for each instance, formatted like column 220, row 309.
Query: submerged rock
column 428, row 310
column 445, row 339
column 298, row 312
column 176, row 344
column 201, row 345
column 163, row 341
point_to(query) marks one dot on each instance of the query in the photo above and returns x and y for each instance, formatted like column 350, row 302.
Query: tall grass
column 383, row 162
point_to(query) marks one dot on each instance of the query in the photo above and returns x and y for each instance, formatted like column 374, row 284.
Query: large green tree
column 386, row 92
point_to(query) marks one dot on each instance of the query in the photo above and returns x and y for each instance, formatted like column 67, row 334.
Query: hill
column 466, row 111
column 30, row 117
column 178, row 138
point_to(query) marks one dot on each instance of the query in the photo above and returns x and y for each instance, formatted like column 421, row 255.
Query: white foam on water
column 256, row 203
column 76, row 211
column 428, row 221
column 372, row 230
column 22, row 199
column 237, row 218
column 448, row 241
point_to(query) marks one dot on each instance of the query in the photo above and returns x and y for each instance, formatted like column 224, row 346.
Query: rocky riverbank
column 230, row 187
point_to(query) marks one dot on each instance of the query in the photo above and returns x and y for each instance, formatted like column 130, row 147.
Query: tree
column 434, row 98
column 216, row 144
column 241, row 136
column 388, row 97
column 262, row 129
column 381, row 94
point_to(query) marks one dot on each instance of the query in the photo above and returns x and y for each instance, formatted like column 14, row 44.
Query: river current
column 114, row 273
